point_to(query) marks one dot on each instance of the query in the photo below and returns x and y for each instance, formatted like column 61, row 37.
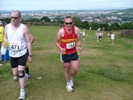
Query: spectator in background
column 1, row 33
column 1, row 37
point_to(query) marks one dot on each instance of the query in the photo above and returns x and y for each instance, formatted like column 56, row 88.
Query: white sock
column 22, row 90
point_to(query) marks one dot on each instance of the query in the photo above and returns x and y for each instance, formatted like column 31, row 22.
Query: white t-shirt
column 83, row 33
column 100, row 33
column 112, row 36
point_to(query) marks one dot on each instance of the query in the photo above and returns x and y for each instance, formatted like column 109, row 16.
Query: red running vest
column 68, row 41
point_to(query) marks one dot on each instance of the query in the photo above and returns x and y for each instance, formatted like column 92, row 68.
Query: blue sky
column 64, row 4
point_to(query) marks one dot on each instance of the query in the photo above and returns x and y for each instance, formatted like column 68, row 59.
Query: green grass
column 105, row 72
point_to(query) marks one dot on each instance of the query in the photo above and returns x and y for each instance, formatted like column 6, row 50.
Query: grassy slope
column 105, row 73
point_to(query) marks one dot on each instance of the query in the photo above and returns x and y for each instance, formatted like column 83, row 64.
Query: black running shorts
column 18, row 61
column 69, row 57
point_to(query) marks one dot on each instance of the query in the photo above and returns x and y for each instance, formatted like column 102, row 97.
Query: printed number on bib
column 70, row 45
column 15, row 45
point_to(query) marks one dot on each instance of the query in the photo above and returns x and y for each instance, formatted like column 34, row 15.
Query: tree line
column 77, row 21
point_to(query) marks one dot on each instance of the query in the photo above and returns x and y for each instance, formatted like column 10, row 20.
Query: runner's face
column 68, row 23
column 15, row 19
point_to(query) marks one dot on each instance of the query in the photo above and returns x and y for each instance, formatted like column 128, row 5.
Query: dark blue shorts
column 69, row 57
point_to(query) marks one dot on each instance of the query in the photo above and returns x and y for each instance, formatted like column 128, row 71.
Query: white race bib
column 15, row 45
column 70, row 45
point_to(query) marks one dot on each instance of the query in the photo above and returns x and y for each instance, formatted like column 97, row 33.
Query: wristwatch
column 30, row 55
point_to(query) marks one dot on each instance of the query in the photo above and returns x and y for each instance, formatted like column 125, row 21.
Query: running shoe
column 22, row 95
column 69, row 88
column 15, row 78
column 27, row 76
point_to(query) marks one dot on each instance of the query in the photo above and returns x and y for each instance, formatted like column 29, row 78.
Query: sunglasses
column 68, row 23
column 14, row 17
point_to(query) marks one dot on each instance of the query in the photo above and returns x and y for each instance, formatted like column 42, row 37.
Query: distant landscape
column 102, row 18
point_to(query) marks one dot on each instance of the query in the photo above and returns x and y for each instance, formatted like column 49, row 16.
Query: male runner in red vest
column 68, row 41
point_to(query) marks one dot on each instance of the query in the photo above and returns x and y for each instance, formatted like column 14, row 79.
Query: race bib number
column 70, row 45
column 15, row 45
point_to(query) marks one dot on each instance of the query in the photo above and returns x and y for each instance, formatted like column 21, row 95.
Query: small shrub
column 126, row 33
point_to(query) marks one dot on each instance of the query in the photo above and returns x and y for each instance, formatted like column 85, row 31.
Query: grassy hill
column 106, row 70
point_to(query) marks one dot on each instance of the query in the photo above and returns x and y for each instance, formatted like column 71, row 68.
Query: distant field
column 106, row 70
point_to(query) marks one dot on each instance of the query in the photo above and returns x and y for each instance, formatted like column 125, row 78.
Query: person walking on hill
column 108, row 35
column 68, row 42
column 112, row 37
column 83, row 35
column 27, row 75
column 18, row 37
column 99, row 35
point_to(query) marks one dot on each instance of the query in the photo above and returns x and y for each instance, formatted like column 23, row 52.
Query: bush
column 126, row 33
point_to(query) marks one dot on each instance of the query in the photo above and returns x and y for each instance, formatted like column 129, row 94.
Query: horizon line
column 70, row 9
